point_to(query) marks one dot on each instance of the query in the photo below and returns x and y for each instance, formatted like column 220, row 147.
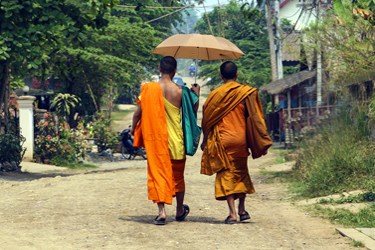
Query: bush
column 100, row 129
column 339, row 157
column 59, row 143
column 11, row 151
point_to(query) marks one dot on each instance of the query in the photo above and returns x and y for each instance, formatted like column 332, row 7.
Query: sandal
column 245, row 216
column 186, row 212
column 158, row 221
column 230, row 221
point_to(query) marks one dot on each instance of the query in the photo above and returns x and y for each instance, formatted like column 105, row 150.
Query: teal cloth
column 190, row 128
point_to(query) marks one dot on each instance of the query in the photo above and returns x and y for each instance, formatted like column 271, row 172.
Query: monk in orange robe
column 232, row 119
column 157, row 126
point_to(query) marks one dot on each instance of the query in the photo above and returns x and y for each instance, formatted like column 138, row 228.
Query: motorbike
column 128, row 151
column 192, row 73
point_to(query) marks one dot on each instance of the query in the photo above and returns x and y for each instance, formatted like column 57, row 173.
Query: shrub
column 100, row 129
column 59, row 143
column 11, row 151
column 337, row 158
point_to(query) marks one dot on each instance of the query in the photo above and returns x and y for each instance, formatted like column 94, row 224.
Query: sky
column 210, row 4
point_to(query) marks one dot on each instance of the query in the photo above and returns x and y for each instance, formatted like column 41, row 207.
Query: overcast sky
column 210, row 4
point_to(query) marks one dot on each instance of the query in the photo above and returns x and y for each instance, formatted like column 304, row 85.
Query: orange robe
column 235, row 178
column 227, row 126
column 152, row 131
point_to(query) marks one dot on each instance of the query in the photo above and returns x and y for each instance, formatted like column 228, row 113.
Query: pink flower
column 45, row 124
column 45, row 115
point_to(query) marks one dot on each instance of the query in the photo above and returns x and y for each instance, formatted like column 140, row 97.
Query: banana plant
column 64, row 103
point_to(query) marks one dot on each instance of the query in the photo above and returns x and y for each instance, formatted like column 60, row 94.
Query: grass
column 357, row 243
column 363, row 218
column 119, row 115
column 71, row 165
column 338, row 157
column 280, row 155
column 80, row 166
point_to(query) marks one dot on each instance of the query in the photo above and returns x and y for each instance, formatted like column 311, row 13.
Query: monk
column 157, row 126
column 232, row 118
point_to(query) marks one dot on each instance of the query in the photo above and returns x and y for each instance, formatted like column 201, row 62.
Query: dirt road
column 108, row 209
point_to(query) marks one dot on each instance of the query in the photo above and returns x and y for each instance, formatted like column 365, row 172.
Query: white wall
column 292, row 11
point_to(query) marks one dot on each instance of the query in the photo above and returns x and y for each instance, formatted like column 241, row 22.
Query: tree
column 248, row 34
column 32, row 31
column 347, row 37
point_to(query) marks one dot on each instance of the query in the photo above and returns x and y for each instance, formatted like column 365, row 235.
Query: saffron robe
column 235, row 178
column 220, row 103
column 152, row 132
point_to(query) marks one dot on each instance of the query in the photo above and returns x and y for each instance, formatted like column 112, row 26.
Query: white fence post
column 26, row 116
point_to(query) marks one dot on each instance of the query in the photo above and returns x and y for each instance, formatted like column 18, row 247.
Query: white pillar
column 27, row 124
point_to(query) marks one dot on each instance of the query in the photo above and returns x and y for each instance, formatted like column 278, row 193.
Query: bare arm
column 136, row 118
column 196, row 89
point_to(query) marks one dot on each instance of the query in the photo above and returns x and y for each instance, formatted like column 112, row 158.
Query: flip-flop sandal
column 230, row 221
column 158, row 221
column 183, row 216
column 245, row 216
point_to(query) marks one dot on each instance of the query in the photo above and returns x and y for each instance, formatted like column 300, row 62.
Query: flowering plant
column 46, row 137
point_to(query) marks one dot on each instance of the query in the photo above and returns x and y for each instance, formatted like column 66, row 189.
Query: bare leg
column 162, row 212
column 180, row 202
column 232, row 207
column 241, row 204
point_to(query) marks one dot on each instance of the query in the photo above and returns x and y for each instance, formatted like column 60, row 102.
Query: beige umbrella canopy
column 197, row 46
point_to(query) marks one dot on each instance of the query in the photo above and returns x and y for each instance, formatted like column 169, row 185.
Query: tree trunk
column 4, row 95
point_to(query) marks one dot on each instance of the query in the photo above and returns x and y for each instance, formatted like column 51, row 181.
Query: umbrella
column 197, row 46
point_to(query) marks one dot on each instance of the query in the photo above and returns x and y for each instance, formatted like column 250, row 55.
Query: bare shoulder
column 172, row 92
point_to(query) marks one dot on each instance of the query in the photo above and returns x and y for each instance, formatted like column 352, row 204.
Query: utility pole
column 271, row 40
column 318, row 65
column 279, row 47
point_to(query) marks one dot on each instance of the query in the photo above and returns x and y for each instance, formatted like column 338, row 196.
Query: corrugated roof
column 279, row 86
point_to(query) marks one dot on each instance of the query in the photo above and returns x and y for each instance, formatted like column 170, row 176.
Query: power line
column 167, row 14
column 168, row 7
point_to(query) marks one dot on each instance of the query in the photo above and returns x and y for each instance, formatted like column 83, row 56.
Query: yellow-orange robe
column 226, row 128
column 176, row 144
column 235, row 178
column 152, row 131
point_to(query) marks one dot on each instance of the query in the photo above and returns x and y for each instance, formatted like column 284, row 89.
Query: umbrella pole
column 196, row 71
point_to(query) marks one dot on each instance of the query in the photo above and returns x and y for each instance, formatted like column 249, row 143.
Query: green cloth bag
column 191, row 130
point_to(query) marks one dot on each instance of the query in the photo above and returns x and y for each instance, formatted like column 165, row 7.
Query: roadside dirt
column 107, row 208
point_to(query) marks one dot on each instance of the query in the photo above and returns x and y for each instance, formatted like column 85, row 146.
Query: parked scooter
column 128, row 151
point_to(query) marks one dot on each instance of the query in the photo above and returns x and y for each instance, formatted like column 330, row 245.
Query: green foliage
column 348, row 42
column 358, row 198
column 46, row 137
column 357, row 243
column 246, row 31
column 364, row 218
column 64, row 104
column 338, row 158
column 59, row 143
column 100, row 129
column 11, row 149
column 33, row 31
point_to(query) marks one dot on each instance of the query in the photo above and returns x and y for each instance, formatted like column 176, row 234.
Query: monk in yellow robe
column 232, row 119
column 157, row 125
